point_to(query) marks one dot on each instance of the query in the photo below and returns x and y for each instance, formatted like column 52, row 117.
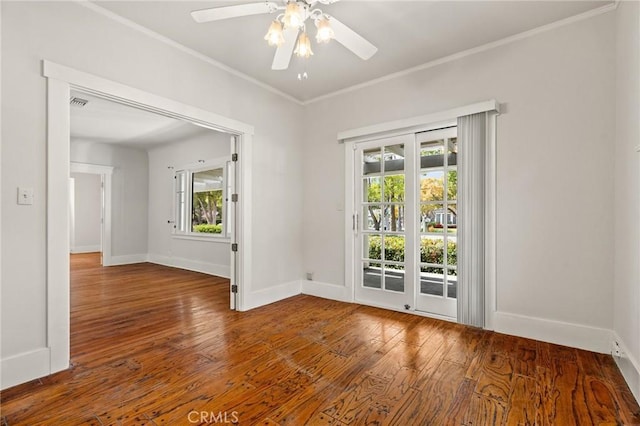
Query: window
column 201, row 196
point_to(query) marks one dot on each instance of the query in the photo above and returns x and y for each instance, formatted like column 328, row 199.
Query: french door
column 405, row 222
column 385, row 227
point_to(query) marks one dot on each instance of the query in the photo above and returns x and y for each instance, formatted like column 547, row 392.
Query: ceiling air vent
column 78, row 102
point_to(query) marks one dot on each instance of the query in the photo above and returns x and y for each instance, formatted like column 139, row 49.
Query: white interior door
column 406, row 237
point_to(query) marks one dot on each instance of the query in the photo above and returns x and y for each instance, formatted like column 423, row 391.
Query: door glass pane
column 371, row 161
column 372, row 218
column 432, row 250
column 394, row 218
column 371, row 189
column 430, row 214
column 432, row 185
column 452, row 148
column 452, row 251
column 432, row 154
column 452, row 184
column 452, row 283
column 393, row 277
column 431, row 270
column 452, row 218
column 393, row 158
column 372, row 274
column 431, row 280
column 394, row 248
column 394, row 189
column 372, row 247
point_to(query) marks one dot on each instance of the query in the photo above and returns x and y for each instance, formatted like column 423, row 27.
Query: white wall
column 129, row 195
column 206, row 255
column 75, row 36
column 87, row 213
column 554, row 165
column 626, row 271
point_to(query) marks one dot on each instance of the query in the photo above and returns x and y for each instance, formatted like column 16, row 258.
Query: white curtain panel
column 472, row 143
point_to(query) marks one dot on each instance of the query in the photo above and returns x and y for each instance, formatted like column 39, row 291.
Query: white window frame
column 182, row 219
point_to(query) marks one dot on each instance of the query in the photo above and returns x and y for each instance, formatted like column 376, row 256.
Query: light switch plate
column 25, row 196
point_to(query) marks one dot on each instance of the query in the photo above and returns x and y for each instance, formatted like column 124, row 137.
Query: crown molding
column 492, row 45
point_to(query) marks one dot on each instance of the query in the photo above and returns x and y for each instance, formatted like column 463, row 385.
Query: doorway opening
column 85, row 219
column 90, row 210
column 144, row 155
column 61, row 81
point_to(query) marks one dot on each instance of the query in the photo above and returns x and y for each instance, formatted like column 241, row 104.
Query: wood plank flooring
column 158, row 346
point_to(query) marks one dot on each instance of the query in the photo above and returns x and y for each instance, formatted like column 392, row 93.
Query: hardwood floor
column 158, row 346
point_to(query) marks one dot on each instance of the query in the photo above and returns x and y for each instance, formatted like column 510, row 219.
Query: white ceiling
column 104, row 121
column 407, row 34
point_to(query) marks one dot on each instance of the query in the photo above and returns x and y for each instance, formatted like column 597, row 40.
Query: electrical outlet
column 309, row 276
column 615, row 349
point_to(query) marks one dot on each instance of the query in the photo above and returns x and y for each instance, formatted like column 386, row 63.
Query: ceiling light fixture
column 296, row 13
column 303, row 49
column 288, row 32
column 325, row 32
column 274, row 36
column 292, row 16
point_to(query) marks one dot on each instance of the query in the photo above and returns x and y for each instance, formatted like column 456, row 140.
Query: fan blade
column 283, row 54
column 226, row 12
column 352, row 40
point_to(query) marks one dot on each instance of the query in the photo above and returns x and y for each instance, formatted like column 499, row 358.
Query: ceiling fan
column 288, row 31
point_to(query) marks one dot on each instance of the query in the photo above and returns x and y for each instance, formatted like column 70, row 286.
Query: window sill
column 203, row 238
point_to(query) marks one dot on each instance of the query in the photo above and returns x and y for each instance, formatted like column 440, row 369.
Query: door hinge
column 355, row 222
column 234, row 288
column 234, row 198
column 234, row 247
column 234, row 157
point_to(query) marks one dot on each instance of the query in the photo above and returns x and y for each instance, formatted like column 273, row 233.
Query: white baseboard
column 191, row 265
column 24, row 367
column 270, row 295
column 562, row 333
column 127, row 259
column 85, row 249
column 629, row 367
column 326, row 291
